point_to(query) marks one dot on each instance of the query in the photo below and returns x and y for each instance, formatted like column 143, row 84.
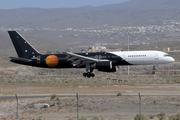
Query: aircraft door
column 38, row 59
column 123, row 56
column 157, row 56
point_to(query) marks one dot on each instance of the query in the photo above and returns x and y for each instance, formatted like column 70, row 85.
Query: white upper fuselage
column 145, row 57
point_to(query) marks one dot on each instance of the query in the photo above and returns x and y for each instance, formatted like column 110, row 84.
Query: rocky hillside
column 134, row 12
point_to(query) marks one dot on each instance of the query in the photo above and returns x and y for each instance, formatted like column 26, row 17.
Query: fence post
column 77, row 106
column 17, row 105
column 140, row 105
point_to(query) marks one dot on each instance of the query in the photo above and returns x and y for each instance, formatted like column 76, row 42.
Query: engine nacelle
column 105, row 66
column 114, row 69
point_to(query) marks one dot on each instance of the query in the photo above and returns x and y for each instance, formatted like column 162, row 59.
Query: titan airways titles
column 102, row 61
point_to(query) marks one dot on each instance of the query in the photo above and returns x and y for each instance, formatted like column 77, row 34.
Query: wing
column 79, row 60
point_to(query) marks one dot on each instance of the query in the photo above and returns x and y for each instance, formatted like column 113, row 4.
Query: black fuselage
column 41, row 60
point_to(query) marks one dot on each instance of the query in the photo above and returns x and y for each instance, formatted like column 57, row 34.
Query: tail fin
column 23, row 48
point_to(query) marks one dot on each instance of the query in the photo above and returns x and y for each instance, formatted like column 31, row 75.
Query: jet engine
column 105, row 66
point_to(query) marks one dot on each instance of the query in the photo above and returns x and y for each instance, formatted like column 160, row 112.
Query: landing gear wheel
column 153, row 72
column 88, row 74
column 92, row 75
column 85, row 74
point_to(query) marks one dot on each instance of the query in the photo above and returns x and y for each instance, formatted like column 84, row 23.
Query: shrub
column 178, row 116
column 151, row 116
column 137, row 117
column 82, row 118
column 57, row 98
column 59, row 102
column 119, row 94
column 39, row 118
column 95, row 118
column 53, row 97
column 161, row 116
column 154, row 102
column 172, row 117
column 175, row 117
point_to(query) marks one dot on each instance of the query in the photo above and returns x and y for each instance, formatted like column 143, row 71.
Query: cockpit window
column 166, row 55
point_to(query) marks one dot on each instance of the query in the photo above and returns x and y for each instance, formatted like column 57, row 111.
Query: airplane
column 102, row 61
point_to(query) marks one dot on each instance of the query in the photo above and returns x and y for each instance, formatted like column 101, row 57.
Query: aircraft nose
column 172, row 59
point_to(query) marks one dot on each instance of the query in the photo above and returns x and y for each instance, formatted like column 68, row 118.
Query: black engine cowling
column 105, row 66
column 114, row 69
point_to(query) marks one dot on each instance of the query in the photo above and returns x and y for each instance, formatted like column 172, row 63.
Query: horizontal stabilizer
column 20, row 60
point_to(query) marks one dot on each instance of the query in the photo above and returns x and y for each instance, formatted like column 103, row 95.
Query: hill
column 46, row 29
column 134, row 12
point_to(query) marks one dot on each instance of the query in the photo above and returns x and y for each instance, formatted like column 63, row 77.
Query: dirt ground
column 94, row 102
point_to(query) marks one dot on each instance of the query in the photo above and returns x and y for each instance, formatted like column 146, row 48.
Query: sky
column 11, row 4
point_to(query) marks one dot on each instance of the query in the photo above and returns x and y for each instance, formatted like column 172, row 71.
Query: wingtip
column 64, row 52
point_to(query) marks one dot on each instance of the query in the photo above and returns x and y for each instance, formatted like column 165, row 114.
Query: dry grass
column 77, row 80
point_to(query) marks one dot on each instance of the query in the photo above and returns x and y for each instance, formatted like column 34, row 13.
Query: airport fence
column 95, row 107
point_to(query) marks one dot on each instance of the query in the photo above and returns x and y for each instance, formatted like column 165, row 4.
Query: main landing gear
column 89, row 74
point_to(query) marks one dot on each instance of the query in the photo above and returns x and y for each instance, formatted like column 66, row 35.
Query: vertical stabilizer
column 23, row 48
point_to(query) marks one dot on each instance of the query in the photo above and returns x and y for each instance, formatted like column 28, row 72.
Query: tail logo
column 52, row 60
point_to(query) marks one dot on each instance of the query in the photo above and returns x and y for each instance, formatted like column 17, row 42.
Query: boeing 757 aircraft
column 102, row 61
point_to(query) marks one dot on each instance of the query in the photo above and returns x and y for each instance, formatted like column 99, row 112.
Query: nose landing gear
column 154, row 68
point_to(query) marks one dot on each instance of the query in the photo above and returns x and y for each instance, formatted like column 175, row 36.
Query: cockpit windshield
column 166, row 55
